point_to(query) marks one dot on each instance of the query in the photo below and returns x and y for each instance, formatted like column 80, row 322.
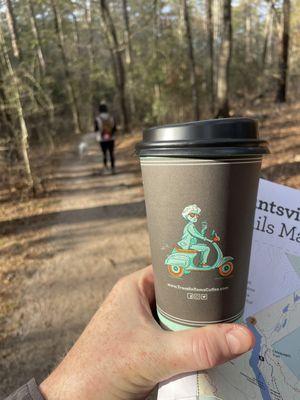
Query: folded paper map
column 271, row 371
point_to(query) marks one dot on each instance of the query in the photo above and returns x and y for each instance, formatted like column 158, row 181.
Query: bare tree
column 193, row 77
column 224, row 63
column 12, row 26
column 155, row 55
column 248, row 32
column 69, row 83
column 37, row 37
column 43, row 101
column 16, row 105
column 7, row 123
column 117, row 61
column 76, row 34
column 90, row 26
column 127, row 30
column 210, row 40
column 156, row 25
column 90, row 57
column 267, row 34
column 284, row 58
column 129, row 56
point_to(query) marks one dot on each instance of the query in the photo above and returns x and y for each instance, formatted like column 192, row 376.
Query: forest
column 153, row 62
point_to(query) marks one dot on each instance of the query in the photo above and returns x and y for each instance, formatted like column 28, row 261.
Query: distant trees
column 194, row 83
column 12, row 100
column 12, row 26
column 210, row 45
column 267, row 32
column 117, row 61
column 129, row 58
column 37, row 37
column 284, row 56
column 151, row 61
column 68, row 78
column 224, row 62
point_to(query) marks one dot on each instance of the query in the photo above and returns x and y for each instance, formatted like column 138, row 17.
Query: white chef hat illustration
column 194, row 209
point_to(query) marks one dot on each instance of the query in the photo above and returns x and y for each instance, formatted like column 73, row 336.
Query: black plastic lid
column 214, row 138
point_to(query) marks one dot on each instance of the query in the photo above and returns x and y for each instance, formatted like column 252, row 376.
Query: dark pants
column 108, row 147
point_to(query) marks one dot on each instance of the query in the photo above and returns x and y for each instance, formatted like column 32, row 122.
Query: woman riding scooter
column 189, row 255
column 191, row 235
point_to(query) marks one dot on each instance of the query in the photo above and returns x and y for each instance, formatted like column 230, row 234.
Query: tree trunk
column 41, row 59
column 16, row 104
column 37, row 37
column 90, row 61
column 210, row 40
column 155, row 54
column 218, row 32
column 283, row 64
column 129, row 56
column 76, row 34
column 69, row 84
column 156, row 25
column 89, row 21
column 117, row 60
column 193, row 77
column 248, row 33
column 267, row 33
column 7, row 122
column 224, row 63
column 127, row 31
column 12, row 26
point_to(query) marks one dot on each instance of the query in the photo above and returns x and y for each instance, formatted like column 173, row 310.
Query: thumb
column 204, row 348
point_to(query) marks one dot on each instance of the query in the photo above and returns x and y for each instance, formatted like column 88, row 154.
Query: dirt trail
column 97, row 234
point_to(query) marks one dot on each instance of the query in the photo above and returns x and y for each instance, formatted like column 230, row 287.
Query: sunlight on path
column 98, row 235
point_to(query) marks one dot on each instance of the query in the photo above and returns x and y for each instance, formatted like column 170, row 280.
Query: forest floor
column 62, row 252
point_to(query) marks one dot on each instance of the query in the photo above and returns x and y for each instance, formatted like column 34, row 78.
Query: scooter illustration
column 191, row 252
column 182, row 262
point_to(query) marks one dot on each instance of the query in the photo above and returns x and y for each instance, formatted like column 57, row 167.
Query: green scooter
column 182, row 262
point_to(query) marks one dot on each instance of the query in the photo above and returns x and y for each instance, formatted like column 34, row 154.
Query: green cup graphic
column 200, row 182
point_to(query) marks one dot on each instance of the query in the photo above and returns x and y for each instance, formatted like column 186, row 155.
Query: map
column 271, row 371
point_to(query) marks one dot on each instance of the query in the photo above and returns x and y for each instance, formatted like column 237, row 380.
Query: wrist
column 74, row 382
column 62, row 386
column 47, row 389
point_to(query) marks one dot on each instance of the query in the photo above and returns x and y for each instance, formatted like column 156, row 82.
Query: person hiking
column 106, row 128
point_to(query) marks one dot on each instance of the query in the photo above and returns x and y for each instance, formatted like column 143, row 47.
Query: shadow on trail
column 274, row 138
column 275, row 172
column 63, row 241
column 72, row 173
column 291, row 148
column 74, row 216
column 78, row 191
column 276, row 124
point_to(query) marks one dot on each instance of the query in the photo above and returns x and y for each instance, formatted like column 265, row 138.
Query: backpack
column 107, row 128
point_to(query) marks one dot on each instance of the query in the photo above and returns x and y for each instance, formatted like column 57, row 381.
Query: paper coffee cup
column 200, row 182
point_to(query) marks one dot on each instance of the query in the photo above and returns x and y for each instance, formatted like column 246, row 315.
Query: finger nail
column 239, row 340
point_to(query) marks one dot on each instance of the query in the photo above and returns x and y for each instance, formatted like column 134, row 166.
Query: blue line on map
column 285, row 309
column 296, row 297
column 253, row 362
column 284, row 323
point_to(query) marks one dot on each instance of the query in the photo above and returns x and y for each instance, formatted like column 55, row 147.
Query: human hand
column 123, row 353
